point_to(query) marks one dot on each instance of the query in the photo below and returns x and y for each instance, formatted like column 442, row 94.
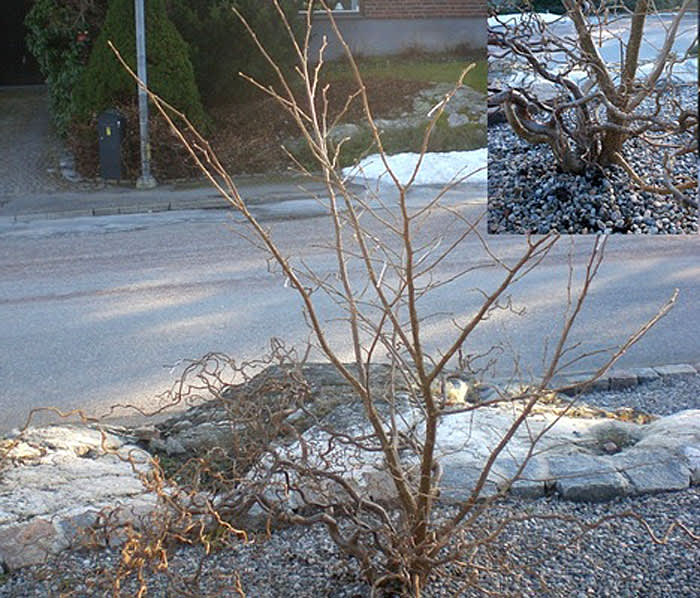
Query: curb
column 151, row 208
column 621, row 379
column 578, row 384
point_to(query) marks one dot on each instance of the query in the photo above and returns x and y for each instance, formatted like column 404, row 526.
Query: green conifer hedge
column 221, row 48
column 105, row 83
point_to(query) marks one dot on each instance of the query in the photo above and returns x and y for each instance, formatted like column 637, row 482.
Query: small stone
column 146, row 433
column 457, row 120
column 610, row 447
column 344, row 131
column 692, row 457
column 174, row 447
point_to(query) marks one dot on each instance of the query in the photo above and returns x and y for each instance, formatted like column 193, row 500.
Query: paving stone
column 581, row 477
column 531, row 482
column 652, row 472
column 621, row 379
column 597, row 385
column 681, row 370
column 645, row 375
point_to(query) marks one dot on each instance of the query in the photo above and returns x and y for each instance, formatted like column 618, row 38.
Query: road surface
column 96, row 311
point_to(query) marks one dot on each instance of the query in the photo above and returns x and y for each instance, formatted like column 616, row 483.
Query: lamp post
column 146, row 180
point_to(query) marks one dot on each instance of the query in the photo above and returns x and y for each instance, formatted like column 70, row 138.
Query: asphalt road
column 96, row 311
column 610, row 35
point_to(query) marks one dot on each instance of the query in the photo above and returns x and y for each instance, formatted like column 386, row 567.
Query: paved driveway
column 29, row 147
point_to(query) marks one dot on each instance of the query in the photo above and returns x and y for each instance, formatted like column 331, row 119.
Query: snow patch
column 683, row 72
column 517, row 18
column 436, row 168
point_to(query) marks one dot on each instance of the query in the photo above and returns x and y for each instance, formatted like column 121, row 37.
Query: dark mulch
column 170, row 160
column 247, row 137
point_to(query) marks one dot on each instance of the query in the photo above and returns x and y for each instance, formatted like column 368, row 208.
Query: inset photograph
column 593, row 117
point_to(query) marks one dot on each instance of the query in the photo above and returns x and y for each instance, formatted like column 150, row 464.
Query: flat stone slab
column 582, row 477
column 651, row 472
column 460, row 478
column 681, row 370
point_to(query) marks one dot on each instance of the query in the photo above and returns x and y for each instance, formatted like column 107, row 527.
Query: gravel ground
column 527, row 192
column 547, row 557
column 660, row 397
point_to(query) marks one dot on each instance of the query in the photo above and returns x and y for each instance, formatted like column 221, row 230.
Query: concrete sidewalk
column 267, row 196
column 114, row 199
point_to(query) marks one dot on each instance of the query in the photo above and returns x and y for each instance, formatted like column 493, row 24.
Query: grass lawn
column 430, row 68
column 249, row 136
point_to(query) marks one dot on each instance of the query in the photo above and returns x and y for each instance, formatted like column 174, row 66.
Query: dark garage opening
column 18, row 66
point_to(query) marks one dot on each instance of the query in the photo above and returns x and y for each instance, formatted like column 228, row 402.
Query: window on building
column 343, row 5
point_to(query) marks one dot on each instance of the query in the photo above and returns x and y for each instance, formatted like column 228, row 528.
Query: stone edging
column 65, row 477
column 620, row 379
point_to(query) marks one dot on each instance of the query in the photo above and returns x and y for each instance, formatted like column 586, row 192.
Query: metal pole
column 146, row 180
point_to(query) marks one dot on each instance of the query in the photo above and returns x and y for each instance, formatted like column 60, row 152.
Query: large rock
column 56, row 483
column 581, row 452
column 580, row 458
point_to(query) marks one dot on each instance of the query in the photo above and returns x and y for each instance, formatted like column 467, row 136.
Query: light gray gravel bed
column 547, row 556
column 660, row 397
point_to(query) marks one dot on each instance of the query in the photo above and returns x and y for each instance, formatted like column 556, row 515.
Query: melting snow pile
column 436, row 168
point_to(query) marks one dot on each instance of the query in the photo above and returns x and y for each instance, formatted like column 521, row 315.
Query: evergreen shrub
column 221, row 48
column 60, row 35
column 105, row 82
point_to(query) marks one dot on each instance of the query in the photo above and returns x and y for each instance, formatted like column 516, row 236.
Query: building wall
column 377, row 37
column 423, row 9
column 393, row 26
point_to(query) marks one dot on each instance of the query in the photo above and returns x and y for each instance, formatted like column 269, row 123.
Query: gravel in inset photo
column 529, row 193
